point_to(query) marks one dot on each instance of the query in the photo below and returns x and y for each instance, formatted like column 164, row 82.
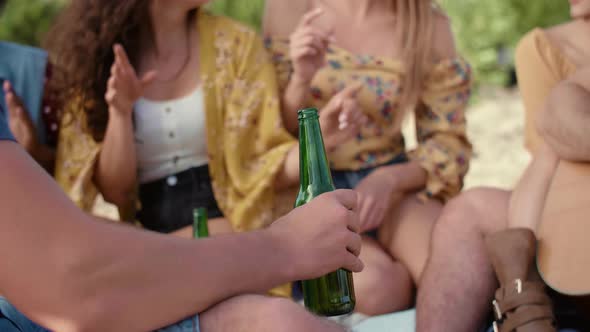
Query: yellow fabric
column 246, row 141
column 444, row 150
column 540, row 66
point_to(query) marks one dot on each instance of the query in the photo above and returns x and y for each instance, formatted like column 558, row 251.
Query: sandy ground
column 495, row 126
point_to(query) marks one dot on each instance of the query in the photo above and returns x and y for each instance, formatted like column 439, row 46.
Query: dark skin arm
column 71, row 272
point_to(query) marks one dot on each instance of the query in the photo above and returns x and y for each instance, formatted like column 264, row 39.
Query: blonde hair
column 416, row 22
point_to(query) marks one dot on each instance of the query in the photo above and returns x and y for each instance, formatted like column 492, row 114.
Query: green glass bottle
column 200, row 227
column 332, row 294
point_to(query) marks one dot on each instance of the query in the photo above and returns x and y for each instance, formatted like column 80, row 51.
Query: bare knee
column 389, row 288
column 261, row 313
column 479, row 210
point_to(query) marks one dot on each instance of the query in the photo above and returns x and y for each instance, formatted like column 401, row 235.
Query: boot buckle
column 496, row 328
column 497, row 311
column 518, row 283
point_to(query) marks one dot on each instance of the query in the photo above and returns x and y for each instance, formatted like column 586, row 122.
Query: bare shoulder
column 562, row 33
column 282, row 16
column 443, row 37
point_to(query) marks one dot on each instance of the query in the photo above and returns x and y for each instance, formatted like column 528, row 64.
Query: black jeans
column 167, row 204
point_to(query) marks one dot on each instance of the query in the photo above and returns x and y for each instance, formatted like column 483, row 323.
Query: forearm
column 116, row 169
column 528, row 198
column 71, row 272
column 184, row 277
column 406, row 177
column 294, row 98
column 288, row 176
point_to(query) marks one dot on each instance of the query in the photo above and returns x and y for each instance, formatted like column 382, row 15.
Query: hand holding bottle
column 322, row 235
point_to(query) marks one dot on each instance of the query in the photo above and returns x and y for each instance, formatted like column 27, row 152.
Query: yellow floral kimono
column 246, row 141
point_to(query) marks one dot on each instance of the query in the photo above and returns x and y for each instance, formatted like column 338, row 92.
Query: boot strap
column 531, row 296
column 527, row 293
column 523, row 316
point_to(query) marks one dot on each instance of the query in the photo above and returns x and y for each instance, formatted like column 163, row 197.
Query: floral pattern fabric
column 443, row 151
column 246, row 141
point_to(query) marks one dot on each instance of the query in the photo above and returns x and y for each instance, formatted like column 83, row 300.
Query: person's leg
column 458, row 283
column 407, row 233
column 262, row 314
column 384, row 285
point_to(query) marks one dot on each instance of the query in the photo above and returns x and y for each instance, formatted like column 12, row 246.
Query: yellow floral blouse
column 246, row 141
column 444, row 150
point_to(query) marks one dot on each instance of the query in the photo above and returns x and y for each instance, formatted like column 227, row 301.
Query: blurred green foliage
column 487, row 30
column 247, row 11
column 25, row 21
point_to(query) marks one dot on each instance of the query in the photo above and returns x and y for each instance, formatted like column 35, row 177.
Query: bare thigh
column 384, row 285
column 259, row 313
column 406, row 233
column 483, row 208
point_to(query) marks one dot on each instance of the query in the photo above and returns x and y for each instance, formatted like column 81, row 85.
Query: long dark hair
column 80, row 47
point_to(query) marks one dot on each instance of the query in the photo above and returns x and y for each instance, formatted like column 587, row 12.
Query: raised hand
column 19, row 121
column 342, row 118
column 308, row 45
column 124, row 88
column 322, row 236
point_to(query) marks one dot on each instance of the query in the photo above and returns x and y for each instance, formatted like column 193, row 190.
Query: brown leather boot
column 521, row 304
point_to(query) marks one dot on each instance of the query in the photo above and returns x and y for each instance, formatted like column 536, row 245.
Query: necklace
column 184, row 64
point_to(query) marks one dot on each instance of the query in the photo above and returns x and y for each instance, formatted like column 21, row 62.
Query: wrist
column 299, row 81
column 116, row 113
column 285, row 259
column 389, row 174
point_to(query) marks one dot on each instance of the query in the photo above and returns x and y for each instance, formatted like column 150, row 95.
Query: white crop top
column 170, row 136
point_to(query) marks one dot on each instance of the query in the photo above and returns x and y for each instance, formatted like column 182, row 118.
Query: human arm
column 22, row 127
column 538, row 71
column 564, row 122
column 528, row 198
column 102, row 276
column 116, row 167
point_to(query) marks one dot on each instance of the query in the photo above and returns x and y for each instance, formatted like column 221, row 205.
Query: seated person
column 69, row 271
column 459, row 261
column 189, row 117
column 319, row 54
column 31, row 108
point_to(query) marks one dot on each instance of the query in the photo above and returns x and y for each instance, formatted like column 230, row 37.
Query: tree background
column 487, row 30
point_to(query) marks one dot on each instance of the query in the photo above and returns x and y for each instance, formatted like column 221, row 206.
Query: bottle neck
column 200, row 227
column 314, row 169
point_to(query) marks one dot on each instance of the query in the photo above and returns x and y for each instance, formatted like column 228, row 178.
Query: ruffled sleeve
column 443, row 148
column 279, row 50
column 246, row 138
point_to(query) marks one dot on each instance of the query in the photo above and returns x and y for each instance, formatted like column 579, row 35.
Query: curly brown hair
column 80, row 47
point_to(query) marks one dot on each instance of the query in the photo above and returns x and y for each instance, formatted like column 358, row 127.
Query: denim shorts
column 350, row 179
column 167, row 204
column 12, row 320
